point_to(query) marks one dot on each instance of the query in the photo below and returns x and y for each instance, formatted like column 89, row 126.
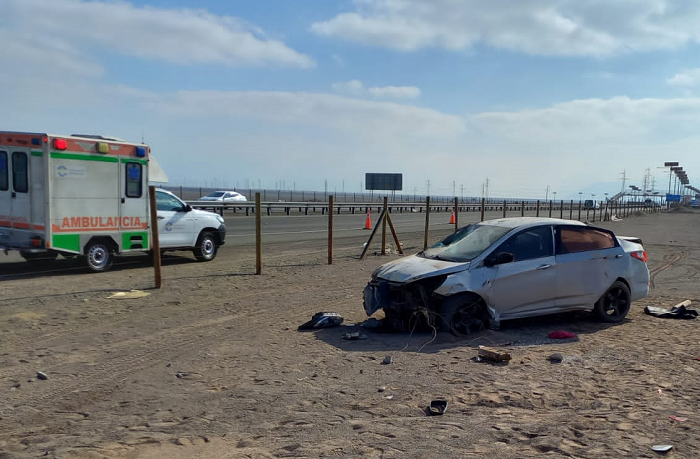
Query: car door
column 175, row 223
column 587, row 260
column 527, row 284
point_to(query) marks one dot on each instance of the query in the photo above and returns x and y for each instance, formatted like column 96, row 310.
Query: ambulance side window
column 134, row 188
column 4, row 176
column 20, row 173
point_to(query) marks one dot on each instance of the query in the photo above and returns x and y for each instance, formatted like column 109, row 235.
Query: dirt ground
column 212, row 366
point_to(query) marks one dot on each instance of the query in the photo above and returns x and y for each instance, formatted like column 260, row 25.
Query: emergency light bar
column 60, row 144
column 102, row 147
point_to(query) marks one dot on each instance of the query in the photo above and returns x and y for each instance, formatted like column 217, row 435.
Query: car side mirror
column 188, row 208
column 499, row 258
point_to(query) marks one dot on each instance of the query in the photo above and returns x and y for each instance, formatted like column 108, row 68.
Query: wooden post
column 427, row 222
column 483, row 204
column 386, row 209
column 258, row 235
column 522, row 210
column 579, row 210
column 550, row 209
column 330, row 230
column 561, row 209
column 393, row 233
column 600, row 218
column 538, row 209
column 155, row 240
column 456, row 214
column 571, row 210
column 505, row 206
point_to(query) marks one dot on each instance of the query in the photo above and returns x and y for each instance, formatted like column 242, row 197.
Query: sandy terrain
column 251, row 385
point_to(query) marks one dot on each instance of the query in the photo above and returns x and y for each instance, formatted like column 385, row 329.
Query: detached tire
column 463, row 314
column 99, row 257
column 206, row 248
column 615, row 303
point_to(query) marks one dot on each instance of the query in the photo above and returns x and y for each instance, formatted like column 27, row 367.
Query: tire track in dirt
column 130, row 357
column 669, row 260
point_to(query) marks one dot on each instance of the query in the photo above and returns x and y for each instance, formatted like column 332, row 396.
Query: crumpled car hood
column 411, row 268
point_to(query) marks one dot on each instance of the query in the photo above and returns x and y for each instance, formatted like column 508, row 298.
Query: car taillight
column 640, row 255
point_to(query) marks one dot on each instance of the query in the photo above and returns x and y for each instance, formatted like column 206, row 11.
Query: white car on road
column 511, row 268
column 224, row 196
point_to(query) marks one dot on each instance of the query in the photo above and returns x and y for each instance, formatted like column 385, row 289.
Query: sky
column 532, row 97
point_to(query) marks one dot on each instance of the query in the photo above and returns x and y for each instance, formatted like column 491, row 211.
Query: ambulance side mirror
column 188, row 208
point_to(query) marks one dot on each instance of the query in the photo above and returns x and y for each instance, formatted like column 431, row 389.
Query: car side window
column 574, row 239
column 166, row 202
column 529, row 244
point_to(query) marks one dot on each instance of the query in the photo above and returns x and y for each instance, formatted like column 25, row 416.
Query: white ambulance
column 88, row 195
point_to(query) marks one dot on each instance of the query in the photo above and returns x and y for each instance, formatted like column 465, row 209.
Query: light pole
column 546, row 193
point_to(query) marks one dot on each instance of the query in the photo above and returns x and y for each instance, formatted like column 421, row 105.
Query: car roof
column 525, row 222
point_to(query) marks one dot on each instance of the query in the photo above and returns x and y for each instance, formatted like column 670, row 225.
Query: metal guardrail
column 304, row 208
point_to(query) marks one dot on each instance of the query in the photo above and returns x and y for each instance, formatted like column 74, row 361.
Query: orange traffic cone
column 452, row 218
column 368, row 222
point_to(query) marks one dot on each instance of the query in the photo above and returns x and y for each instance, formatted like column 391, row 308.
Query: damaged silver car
column 511, row 268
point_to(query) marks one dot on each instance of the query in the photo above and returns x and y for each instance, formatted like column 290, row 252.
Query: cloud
column 180, row 36
column 317, row 110
column 357, row 88
column 540, row 27
column 686, row 78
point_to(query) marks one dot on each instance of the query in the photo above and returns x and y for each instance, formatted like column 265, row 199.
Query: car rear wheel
column 615, row 303
column 206, row 247
column 463, row 314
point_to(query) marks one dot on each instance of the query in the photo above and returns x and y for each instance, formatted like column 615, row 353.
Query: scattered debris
column 130, row 295
column 662, row 448
column 381, row 389
column 41, row 375
column 677, row 418
column 437, row 407
column 180, row 375
column 561, row 334
column 679, row 311
column 388, row 360
column 615, row 218
column 322, row 320
column 555, row 358
column 353, row 336
column 494, row 355
column 389, row 397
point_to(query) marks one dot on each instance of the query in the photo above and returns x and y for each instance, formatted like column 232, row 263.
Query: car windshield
column 216, row 194
column 466, row 244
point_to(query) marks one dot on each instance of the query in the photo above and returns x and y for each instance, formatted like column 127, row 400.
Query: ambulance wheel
column 99, row 257
column 206, row 247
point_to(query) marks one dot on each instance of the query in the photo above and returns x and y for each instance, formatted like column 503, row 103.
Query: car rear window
column 573, row 240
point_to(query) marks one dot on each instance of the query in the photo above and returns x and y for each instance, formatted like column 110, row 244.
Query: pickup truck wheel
column 615, row 303
column 206, row 247
column 98, row 256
